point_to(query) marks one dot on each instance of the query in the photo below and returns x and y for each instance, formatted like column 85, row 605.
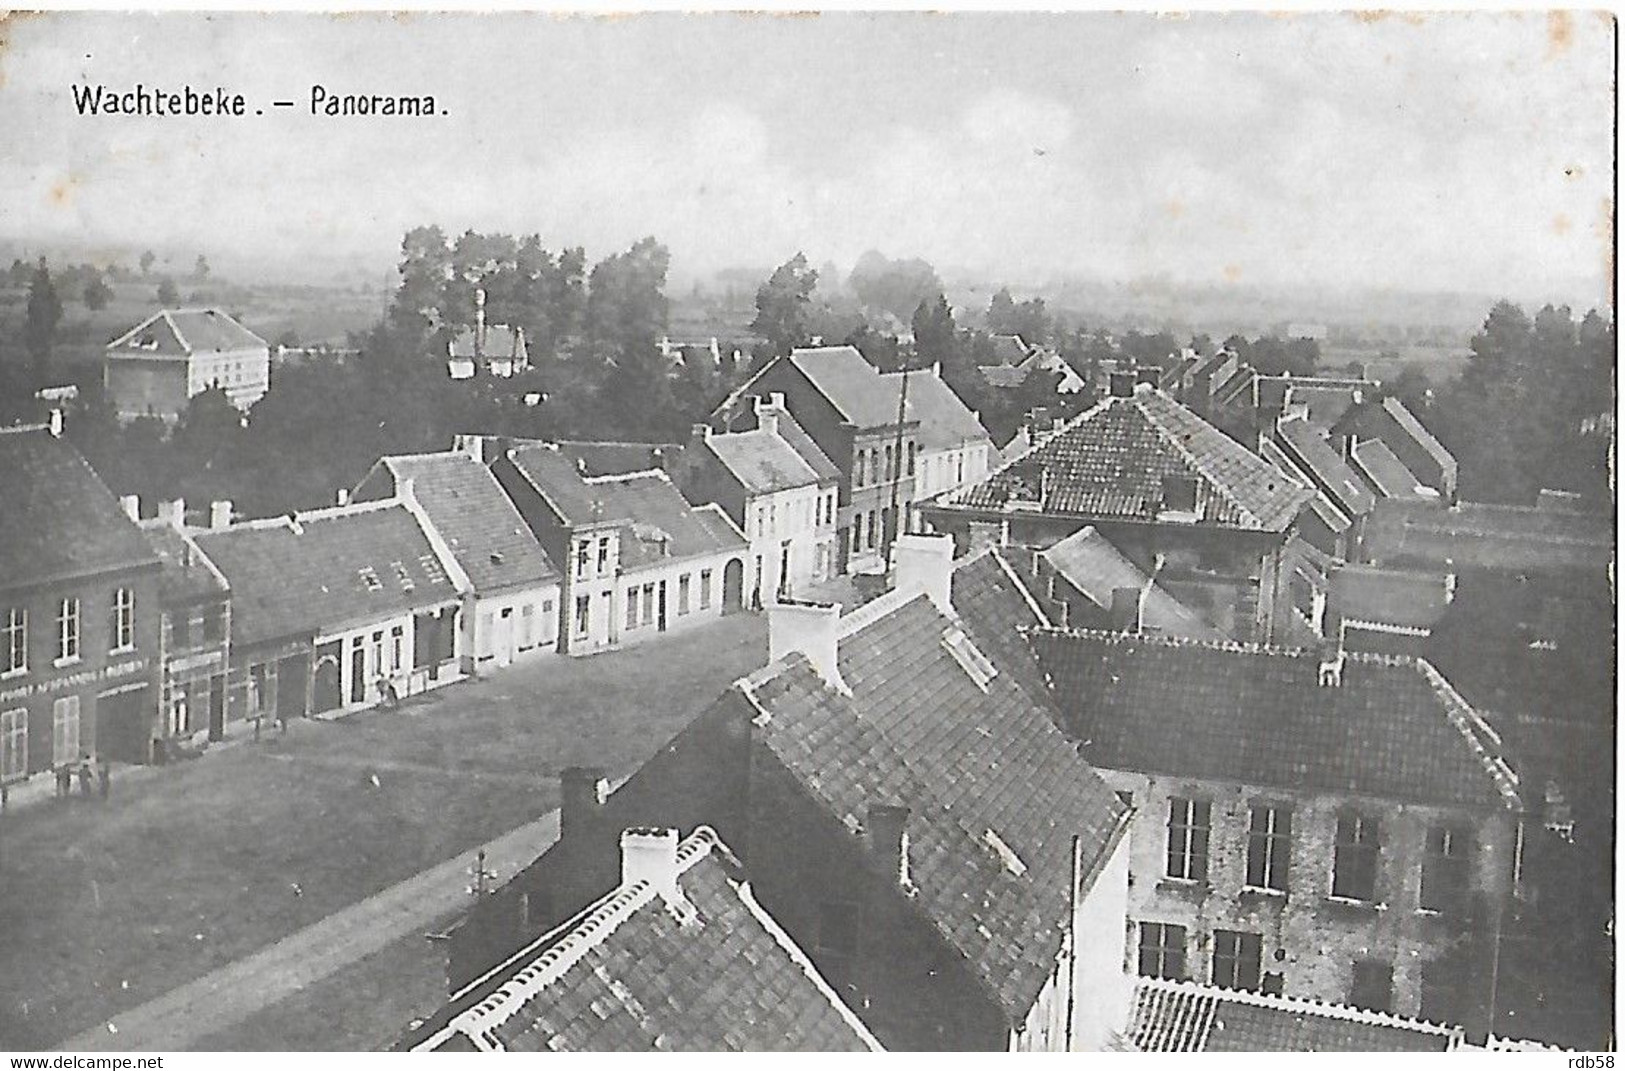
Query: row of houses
column 974, row 827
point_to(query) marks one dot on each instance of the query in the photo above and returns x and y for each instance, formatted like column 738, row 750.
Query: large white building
column 156, row 367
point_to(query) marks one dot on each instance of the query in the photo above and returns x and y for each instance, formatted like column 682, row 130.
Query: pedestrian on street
column 64, row 782
column 104, row 776
column 84, row 777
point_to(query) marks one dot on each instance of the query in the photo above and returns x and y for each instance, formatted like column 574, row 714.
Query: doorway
column 733, row 586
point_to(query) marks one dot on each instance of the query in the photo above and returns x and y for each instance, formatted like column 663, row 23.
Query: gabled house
column 79, row 612
column 954, row 448
column 677, row 956
column 1337, row 826
column 903, row 805
column 1154, row 479
column 637, row 560
column 156, row 367
column 336, row 610
column 779, row 488
column 1387, row 420
column 494, row 350
column 511, row 611
column 1342, row 502
column 194, row 640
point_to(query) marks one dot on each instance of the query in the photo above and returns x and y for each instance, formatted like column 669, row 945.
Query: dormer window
column 1026, row 488
column 1178, row 500
column 970, row 659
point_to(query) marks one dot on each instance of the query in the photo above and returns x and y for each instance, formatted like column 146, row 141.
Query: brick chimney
column 582, row 790
column 173, row 513
column 810, row 628
column 1120, row 384
column 220, row 514
column 767, row 414
column 131, row 504
column 650, row 855
column 887, row 827
column 925, row 563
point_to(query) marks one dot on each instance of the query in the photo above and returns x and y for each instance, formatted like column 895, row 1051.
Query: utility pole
column 897, row 461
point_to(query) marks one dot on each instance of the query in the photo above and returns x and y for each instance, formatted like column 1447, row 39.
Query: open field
column 108, row 906
column 1439, row 363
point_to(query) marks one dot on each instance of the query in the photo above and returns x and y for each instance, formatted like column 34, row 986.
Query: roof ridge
column 1465, row 719
column 132, row 332
column 1190, row 459
column 173, row 326
column 1227, row 645
column 1313, row 1005
column 1010, row 572
column 626, row 477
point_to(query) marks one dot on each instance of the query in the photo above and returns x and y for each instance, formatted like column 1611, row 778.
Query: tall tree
column 44, row 313
column 1001, row 313
column 626, row 316
column 97, row 294
column 147, row 261
column 168, row 296
column 783, row 305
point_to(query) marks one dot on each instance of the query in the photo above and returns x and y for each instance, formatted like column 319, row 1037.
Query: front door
column 502, row 641
column 328, row 693
column 217, row 715
column 358, row 670
column 662, row 606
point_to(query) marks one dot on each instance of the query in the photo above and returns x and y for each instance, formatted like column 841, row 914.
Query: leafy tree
column 1001, row 313
column 97, row 294
column 168, row 296
column 895, row 286
column 44, row 313
column 147, row 261
column 626, row 316
column 782, row 305
column 425, row 270
column 207, row 445
column 878, row 349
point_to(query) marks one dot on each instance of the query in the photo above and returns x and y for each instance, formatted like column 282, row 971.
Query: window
column 648, row 604
column 705, row 589
column 874, row 529
column 632, row 608
column 15, row 647
column 1187, row 838
column 891, row 462
column 13, row 744
column 1269, row 846
column 121, row 622
column 1373, row 985
column 970, row 658
column 65, row 730
column 67, row 630
column 1274, row 984
column 1446, row 868
column 527, row 627
column 912, row 450
column 682, row 593
column 180, row 631
column 1162, row 950
column 1354, row 868
column 1179, row 495
column 397, row 648
column 583, row 559
column 583, row 614
column 603, row 555
column 1237, row 959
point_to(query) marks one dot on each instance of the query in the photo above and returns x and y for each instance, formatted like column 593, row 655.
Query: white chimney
column 131, row 505
column 479, row 323
column 650, row 855
column 810, row 628
column 220, row 514
column 1331, row 666
column 56, row 423
column 767, row 415
column 173, row 512
column 925, row 563
column 342, row 498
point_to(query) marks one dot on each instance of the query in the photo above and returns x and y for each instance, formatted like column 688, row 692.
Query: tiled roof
column 1390, row 728
column 998, row 611
column 995, row 791
column 946, row 422
column 706, row 970
column 1174, row 1016
column 501, row 341
column 850, row 382
column 468, row 508
column 655, row 520
column 1386, row 472
column 1470, row 535
column 1330, row 472
column 1369, row 594
column 1091, row 564
column 187, row 574
column 1322, row 505
column 1110, row 462
column 57, row 519
column 762, row 461
column 322, row 570
column 181, row 332
column 1234, row 385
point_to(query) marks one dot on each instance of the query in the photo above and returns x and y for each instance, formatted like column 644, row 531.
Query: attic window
column 407, row 583
column 1178, row 499
column 1026, row 487
column 370, row 579
column 972, row 661
column 496, row 557
column 1007, row 855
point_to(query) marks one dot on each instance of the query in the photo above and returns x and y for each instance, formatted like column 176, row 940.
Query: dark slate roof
column 1416, row 430
column 762, row 461
column 946, row 422
column 1091, row 564
column 1386, row 472
column 182, row 332
column 636, row 972
column 296, row 578
column 1470, row 535
column 1329, row 471
column 57, row 519
column 1392, row 728
column 1409, row 599
column 995, row 791
column 655, row 520
column 794, row 434
column 481, row 527
column 850, row 382
column 187, row 575
column 1110, row 463
column 1326, row 404
column 599, row 458
column 998, row 611
column 1174, row 1016
column 1322, row 505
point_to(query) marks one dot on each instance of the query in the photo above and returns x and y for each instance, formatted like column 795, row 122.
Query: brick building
column 156, row 367
column 195, row 634
column 904, row 807
column 79, row 612
column 1159, row 483
column 1338, row 827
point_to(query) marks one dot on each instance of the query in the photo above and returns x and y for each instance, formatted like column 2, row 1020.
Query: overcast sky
column 1465, row 153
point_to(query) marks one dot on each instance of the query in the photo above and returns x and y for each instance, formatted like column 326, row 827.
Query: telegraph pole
column 900, row 469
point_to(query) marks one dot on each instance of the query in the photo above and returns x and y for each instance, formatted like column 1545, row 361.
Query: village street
column 201, row 897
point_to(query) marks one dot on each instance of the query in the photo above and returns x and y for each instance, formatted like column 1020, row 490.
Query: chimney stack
column 767, row 414
column 472, row 445
column 131, row 504
column 342, row 498
column 650, row 855
column 810, row 628
column 56, row 423
column 220, row 514
column 1332, row 657
column 173, row 512
column 887, row 828
column 582, row 790
column 699, row 433
column 479, row 322
column 925, row 563
column 1120, row 384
